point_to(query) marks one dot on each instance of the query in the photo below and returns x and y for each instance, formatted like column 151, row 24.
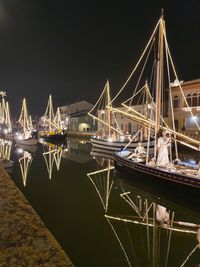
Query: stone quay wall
column 24, row 239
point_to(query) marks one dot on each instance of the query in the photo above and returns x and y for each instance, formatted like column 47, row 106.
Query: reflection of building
column 184, row 120
column 78, row 116
column 78, row 151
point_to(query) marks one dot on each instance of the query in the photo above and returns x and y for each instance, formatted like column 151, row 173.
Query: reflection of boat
column 31, row 149
column 53, row 128
column 101, row 153
column 160, row 165
column 5, row 152
column 109, row 138
column 25, row 163
column 52, row 155
column 147, row 227
column 25, row 137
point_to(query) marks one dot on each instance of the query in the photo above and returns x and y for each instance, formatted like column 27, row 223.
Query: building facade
column 186, row 117
column 77, row 117
column 119, row 121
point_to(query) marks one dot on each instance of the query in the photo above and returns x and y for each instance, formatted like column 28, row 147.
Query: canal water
column 103, row 218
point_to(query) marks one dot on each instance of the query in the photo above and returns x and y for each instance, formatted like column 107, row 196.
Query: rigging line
column 131, row 244
column 118, row 239
column 103, row 122
column 170, row 91
column 179, row 85
column 143, row 120
column 169, row 240
column 135, row 135
column 195, row 248
column 128, row 200
column 129, row 99
column 148, row 234
column 153, row 103
column 143, row 69
column 98, row 99
column 155, row 29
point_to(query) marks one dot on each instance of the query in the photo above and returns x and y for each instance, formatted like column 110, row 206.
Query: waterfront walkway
column 24, row 239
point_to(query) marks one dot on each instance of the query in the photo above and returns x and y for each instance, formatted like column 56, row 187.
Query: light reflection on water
column 100, row 218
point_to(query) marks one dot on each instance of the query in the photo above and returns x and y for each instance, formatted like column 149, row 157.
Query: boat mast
column 159, row 78
column 24, row 108
column 8, row 121
column 108, row 107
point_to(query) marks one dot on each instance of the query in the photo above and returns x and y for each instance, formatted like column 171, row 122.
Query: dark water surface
column 103, row 218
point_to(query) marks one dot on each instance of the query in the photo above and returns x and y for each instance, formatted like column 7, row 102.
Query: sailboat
column 5, row 120
column 110, row 137
column 25, row 135
column 163, row 163
column 53, row 130
column 146, row 226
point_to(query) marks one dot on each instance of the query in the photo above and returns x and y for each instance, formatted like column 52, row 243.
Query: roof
column 77, row 107
column 79, row 113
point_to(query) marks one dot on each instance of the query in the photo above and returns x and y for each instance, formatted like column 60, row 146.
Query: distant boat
column 25, row 135
column 109, row 138
column 52, row 128
column 5, row 121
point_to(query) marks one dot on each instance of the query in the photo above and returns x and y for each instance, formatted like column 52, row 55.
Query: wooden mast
column 159, row 78
column 108, row 107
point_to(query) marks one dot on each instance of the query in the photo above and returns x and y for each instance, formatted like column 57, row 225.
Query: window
column 129, row 127
column 199, row 99
column 189, row 100
column 194, row 99
column 176, row 102
column 122, row 127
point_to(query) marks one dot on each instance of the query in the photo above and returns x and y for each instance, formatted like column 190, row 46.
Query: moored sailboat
column 5, row 119
column 160, row 164
column 110, row 137
column 25, row 134
column 52, row 128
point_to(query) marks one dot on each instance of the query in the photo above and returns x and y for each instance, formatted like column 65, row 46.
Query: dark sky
column 69, row 48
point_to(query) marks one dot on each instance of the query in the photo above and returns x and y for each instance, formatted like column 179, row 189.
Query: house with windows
column 119, row 121
column 186, row 117
column 76, row 115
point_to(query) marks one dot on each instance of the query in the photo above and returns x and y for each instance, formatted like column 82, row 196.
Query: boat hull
column 29, row 141
column 54, row 138
column 147, row 172
column 116, row 145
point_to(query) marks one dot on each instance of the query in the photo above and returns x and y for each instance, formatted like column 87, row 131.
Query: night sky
column 69, row 48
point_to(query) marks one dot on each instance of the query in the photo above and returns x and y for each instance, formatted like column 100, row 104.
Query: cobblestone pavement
column 24, row 239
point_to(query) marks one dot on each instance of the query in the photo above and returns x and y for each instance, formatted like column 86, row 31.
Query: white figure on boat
column 139, row 152
column 162, row 215
column 164, row 142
